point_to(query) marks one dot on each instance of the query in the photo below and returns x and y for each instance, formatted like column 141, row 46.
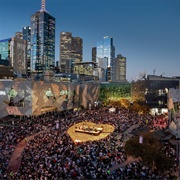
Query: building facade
column 101, row 74
column 6, row 72
column 26, row 31
column 106, row 49
column 153, row 92
column 71, row 49
column 29, row 98
column 65, row 50
column 102, row 64
column 174, row 109
column 19, row 35
column 77, row 48
column 13, row 53
column 120, row 68
column 94, row 54
column 86, row 68
column 42, row 42
column 18, row 51
column 5, row 52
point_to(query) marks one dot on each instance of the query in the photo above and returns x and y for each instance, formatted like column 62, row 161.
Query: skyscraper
column 42, row 41
column 120, row 68
column 26, row 31
column 5, row 52
column 18, row 48
column 65, row 50
column 94, row 54
column 13, row 53
column 106, row 49
column 19, row 35
column 76, row 50
column 71, row 49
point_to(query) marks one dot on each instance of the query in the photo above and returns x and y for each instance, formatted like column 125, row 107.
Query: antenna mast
column 43, row 5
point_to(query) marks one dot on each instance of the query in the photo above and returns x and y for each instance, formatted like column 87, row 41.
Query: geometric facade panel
column 35, row 97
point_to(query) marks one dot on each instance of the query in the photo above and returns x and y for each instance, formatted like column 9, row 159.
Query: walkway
column 129, row 160
column 127, row 134
column 15, row 161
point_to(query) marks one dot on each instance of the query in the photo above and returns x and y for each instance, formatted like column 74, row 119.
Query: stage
column 94, row 133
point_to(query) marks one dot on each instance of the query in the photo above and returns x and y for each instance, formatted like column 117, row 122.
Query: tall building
column 19, row 35
column 6, row 72
column 65, row 50
column 76, row 49
column 42, row 41
column 105, row 48
column 5, row 52
column 71, row 49
column 94, row 54
column 120, row 68
column 86, row 68
column 18, row 51
column 13, row 53
column 102, row 62
column 26, row 32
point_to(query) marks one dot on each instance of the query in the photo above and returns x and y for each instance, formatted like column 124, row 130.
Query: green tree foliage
column 150, row 152
column 114, row 91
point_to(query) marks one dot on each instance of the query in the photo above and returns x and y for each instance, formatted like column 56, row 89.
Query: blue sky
column 146, row 32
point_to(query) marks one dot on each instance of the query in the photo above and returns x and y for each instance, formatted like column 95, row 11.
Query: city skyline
column 145, row 32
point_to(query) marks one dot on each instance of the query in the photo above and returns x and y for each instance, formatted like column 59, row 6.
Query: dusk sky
column 146, row 32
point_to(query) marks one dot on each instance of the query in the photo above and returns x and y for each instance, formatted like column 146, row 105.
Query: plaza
column 37, row 148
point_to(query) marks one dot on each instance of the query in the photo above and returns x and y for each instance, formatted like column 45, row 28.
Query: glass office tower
column 42, row 41
column 5, row 51
column 27, row 36
column 105, row 49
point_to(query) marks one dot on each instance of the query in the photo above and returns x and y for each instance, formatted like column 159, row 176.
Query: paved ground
column 128, row 161
column 127, row 133
column 15, row 161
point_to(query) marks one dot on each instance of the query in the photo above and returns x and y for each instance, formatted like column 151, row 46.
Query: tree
column 150, row 152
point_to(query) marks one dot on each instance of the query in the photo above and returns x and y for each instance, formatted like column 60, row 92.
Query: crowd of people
column 161, row 122
column 52, row 154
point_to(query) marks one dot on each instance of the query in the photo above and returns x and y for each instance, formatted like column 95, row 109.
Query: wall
column 35, row 97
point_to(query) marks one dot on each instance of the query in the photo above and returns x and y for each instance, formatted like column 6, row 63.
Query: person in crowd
column 52, row 154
